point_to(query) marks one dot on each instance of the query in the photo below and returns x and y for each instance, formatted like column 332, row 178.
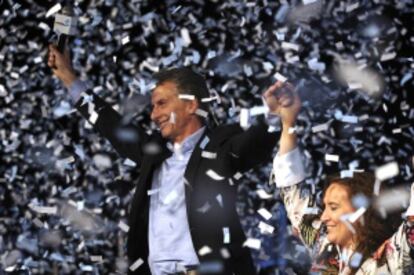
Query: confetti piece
column 172, row 196
column 172, row 118
column 357, row 214
column 201, row 113
column 204, row 142
column 186, row 97
column 226, row 235
column 208, row 155
column 244, row 118
column 289, row 46
column 263, row 194
column 123, row 226
column 264, row 213
column 355, row 259
column 51, row 210
column 320, row 128
column 252, row 243
column 129, row 163
column 53, row 10
column 93, row 118
column 125, row 40
column 204, row 250
column 387, row 171
column 153, row 191
column 280, row 77
column 212, row 174
column 266, row 228
column 136, row 264
column 185, row 35
column 329, row 157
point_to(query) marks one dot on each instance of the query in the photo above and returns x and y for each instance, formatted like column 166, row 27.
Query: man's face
column 174, row 116
column 337, row 203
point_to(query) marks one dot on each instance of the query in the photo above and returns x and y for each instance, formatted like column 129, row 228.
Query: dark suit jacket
column 237, row 151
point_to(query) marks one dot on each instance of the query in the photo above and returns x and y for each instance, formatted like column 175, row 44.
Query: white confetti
column 172, row 118
column 252, row 243
column 153, row 191
column 244, row 118
column 387, row 171
column 173, row 195
column 263, row 194
column 212, row 174
column 53, row 10
column 280, row 77
column 93, row 118
column 266, row 228
column 265, row 213
column 185, row 35
column 320, row 128
column 330, row 157
column 388, row 56
column 357, row 214
column 130, row 163
column 226, row 235
column 290, row 46
column 52, row 210
column 136, row 264
column 208, row 155
column 123, row 226
column 201, row 113
column 204, row 250
column 186, row 97
column 125, row 40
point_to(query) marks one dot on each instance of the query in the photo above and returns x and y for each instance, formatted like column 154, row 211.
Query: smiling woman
column 350, row 236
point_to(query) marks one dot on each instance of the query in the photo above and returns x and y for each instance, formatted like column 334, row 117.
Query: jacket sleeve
column 251, row 147
column 127, row 139
column 289, row 175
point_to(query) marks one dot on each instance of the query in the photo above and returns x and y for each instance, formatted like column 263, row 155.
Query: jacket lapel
column 192, row 169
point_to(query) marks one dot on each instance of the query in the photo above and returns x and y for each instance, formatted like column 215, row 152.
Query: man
column 183, row 211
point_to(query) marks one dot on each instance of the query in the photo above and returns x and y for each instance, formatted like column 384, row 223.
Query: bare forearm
column 288, row 141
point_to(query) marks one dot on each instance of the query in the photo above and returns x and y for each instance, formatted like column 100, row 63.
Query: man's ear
column 192, row 106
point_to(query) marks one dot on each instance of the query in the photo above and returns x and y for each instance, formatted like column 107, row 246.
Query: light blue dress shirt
column 170, row 245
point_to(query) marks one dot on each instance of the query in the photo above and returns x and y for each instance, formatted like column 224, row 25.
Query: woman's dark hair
column 375, row 229
column 187, row 81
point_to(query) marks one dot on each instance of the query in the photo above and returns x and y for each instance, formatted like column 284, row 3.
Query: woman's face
column 337, row 203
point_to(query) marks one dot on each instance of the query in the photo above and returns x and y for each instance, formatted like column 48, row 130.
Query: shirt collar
column 190, row 142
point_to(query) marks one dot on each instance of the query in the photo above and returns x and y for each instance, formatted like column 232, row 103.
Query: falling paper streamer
column 136, row 265
column 204, row 251
column 387, row 171
column 212, row 174
column 172, row 118
column 330, row 157
column 265, row 213
column 208, row 155
column 172, row 196
column 53, row 10
column 263, row 194
column 123, row 226
column 226, row 235
column 186, row 96
column 266, row 228
column 252, row 243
